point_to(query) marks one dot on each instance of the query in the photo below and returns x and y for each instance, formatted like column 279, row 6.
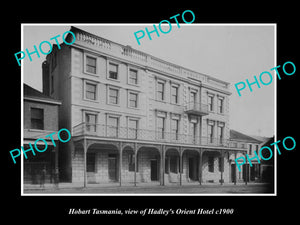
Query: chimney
column 46, row 78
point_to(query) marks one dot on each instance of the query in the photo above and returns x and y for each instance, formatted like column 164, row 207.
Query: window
column 132, row 128
column 220, row 105
column 210, row 133
column 234, row 144
column 91, row 162
column 174, row 129
column 113, row 71
column 193, row 97
column 91, row 122
column 160, row 91
column 211, row 164
column 220, row 132
column 250, row 149
column 90, row 66
column 90, row 91
column 133, row 79
column 161, row 127
column 174, row 94
column 133, row 99
column 210, row 102
column 193, row 130
column 113, row 96
column 113, row 126
column 37, row 118
column 131, row 162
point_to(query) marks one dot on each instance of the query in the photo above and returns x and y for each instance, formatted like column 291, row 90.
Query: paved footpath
column 188, row 189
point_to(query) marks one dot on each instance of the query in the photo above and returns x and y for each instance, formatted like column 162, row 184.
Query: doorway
column 192, row 169
column 112, row 167
column 252, row 172
column 154, row 170
column 246, row 169
column 233, row 173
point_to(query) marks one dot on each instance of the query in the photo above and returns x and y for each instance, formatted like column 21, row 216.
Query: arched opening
column 172, row 166
column 212, row 167
column 128, row 165
column 190, row 165
column 148, row 166
column 102, row 163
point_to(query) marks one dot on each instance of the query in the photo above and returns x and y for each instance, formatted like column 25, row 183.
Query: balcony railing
column 99, row 130
column 196, row 108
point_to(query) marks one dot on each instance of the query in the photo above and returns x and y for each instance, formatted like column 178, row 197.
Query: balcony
column 111, row 132
column 195, row 108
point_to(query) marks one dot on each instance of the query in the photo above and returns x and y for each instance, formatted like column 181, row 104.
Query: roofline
column 36, row 99
column 244, row 140
column 247, row 141
column 73, row 28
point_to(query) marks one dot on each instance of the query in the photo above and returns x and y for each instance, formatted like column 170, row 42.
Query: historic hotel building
column 136, row 118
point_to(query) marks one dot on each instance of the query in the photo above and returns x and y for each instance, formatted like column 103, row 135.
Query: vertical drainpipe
column 200, row 166
column 246, row 170
column 180, row 166
column 162, row 162
column 222, row 166
column 235, row 173
column 84, row 163
column 135, row 162
column 120, row 163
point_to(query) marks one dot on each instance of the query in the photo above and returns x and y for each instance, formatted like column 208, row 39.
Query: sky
column 231, row 52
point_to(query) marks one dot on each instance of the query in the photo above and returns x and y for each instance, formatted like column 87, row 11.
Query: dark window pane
column 133, row 100
column 113, row 71
column 160, row 91
column 173, row 164
column 131, row 162
column 113, row 96
column 90, row 120
column 132, row 76
column 113, row 126
column 90, row 162
column 37, row 118
column 90, row 91
column 174, row 94
column 90, row 64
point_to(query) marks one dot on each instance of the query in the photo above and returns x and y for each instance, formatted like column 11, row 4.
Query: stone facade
column 167, row 123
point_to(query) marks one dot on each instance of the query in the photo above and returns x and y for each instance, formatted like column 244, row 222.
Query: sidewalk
column 78, row 186
column 206, row 189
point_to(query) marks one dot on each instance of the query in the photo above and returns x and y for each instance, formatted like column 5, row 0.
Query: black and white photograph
column 141, row 124
column 151, row 115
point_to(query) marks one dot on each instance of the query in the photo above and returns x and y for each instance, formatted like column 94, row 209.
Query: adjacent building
column 136, row 118
column 267, row 166
column 247, row 173
column 40, row 113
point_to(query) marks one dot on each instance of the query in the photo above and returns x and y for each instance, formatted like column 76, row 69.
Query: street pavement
column 253, row 188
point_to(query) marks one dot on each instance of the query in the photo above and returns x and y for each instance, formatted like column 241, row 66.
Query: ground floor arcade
column 102, row 161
